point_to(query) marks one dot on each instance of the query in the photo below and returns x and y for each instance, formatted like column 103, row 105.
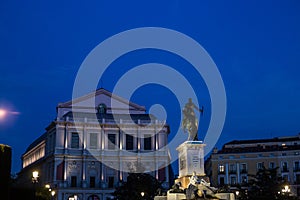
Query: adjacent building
column 237, row 159
column 89, row 150
column 5, row 168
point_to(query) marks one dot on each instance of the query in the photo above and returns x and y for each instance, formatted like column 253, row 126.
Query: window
column 129, row 142
column 284, row 166
column 110, row 182
column 92, row 181
column 296, row 166
column 243, row 168
column 244, row 179
column 271, row 165
column 147, row 142
column 221, row 168
column 102, row 108
column 222, row 181
column 259, row 165
column 232, row 180
column 93, row 140
column 297, row 178
column 232, row 169
column 111, row 141
column 75, row 140
column 73, row 181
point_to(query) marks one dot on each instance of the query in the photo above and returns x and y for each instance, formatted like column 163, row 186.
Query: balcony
column 243, row 171
column 232, row 171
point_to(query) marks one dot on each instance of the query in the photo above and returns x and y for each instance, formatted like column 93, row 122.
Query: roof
column 36, row 142
column 258, row 149
column 98, row 92
column 262, row 145
column 276, row 139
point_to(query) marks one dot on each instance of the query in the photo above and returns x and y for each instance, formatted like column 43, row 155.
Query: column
column 238, row 173
column 227, row 175
column 167, row 172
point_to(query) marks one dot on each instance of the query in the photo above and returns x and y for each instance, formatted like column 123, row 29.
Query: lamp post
column 237, row 194
column 142, row 194
column 52, row 194
column 286, row 190
column 35, row 180
column 35, row 176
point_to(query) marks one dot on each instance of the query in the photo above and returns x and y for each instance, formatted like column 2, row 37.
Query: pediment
column 89, row 103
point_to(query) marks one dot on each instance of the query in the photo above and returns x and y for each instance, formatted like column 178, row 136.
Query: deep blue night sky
column 256, row 46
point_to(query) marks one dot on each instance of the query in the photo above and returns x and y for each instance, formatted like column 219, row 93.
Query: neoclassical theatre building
column 88, row 150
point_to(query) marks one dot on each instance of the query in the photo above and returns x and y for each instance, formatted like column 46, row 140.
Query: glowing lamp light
column 35, row 174
column 286, row 189
column 142, row 193
column 53, row 193
column 3, row 113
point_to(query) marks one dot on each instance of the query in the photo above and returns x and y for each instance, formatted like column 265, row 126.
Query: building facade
column 89, row 150
column 233, row 164
column 5, row 169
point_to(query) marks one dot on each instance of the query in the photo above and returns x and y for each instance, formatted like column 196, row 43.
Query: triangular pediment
column 90, row 102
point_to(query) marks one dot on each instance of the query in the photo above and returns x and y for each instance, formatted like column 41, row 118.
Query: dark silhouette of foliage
column 135, row 185
column 265, row 185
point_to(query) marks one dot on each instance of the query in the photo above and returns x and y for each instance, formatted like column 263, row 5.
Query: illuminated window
column 221, row 168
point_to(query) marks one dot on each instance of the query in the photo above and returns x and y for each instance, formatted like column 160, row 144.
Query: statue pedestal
column 191, row 159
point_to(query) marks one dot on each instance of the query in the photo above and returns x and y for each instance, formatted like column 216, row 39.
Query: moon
column 3, row 113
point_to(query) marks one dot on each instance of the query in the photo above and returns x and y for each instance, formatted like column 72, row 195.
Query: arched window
column 102, row 108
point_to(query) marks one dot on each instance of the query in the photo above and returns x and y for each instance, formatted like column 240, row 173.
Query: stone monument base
column 175, row 196
column 185, row 180
column 160, row 198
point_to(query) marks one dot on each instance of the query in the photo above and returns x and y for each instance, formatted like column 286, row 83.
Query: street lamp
column 52, row 194
column 35, row 176
column 237, row 194
column 286, row 189
column 35, row 180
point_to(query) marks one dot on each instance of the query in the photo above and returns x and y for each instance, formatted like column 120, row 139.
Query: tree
column 137, row 185
column 266, row 185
